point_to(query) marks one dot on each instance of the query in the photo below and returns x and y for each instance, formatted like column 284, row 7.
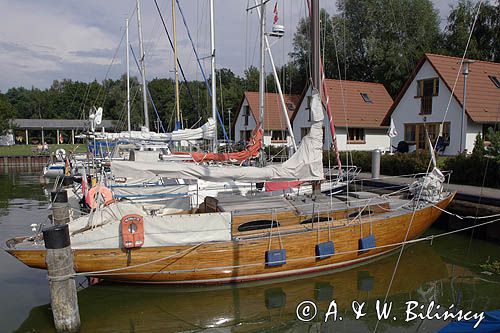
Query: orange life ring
column 132, row 231
column 105, row 192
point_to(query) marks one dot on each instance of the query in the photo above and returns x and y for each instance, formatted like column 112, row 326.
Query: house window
column 495, row 80
column 428, row 87
column 304, row 131
column 366, row 98
column 246, row 113
column 278, row 136
column 410, row 133
column 416, row 134
column 356, row 135
column 309, row 101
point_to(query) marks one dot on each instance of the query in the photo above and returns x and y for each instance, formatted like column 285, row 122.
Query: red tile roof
column 349, row 107
column 483, row 97
column 273, row 114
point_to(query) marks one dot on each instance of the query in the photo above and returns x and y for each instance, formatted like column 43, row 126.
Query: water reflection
column 422, row 276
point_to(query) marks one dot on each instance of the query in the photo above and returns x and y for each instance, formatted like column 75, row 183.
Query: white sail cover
column 207, row 132
column 305, row 164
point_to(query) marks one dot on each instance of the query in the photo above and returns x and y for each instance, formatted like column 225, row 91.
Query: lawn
column 30, row 150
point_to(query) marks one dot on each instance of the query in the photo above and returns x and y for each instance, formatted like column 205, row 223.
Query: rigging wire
column 178, row 62
column 430, row 162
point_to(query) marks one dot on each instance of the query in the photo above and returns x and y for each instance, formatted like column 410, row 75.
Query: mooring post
column 60, row 207
column 59, row 259
column 376, row 163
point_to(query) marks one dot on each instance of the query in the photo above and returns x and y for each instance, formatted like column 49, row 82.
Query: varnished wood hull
column 244, row 260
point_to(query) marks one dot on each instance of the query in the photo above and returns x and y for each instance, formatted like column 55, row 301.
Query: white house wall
column 374, row 138
column 408, row 109
column 240, row 122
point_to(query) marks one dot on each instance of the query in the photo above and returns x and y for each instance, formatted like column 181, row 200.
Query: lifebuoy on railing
column 92, row 198
column 132, row 231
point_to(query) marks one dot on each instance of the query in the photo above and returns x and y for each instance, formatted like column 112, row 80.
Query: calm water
column 447, row 271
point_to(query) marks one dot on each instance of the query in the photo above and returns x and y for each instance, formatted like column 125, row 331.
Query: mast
column 214, row 81
column 278, row 85
column 262, row 76
column 315, row 47
column 143, row 67
column 178, row 123
column 128, row 79
column 315, row 66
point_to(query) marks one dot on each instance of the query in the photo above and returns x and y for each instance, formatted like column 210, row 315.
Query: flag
column 275, row 11
column 392, row 130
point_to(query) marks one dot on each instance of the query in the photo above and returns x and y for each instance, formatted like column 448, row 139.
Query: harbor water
column 447, row 271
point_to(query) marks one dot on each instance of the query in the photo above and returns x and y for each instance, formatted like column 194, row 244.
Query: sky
column 42, row 41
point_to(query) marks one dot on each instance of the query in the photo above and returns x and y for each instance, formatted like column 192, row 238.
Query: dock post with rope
column 59, row 259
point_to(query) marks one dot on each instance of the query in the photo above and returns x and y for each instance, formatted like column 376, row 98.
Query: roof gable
column 483, row 97
column 273, row 115
column 355, row 103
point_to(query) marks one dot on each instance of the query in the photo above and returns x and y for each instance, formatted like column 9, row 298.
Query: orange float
column 103, row 191
column 132, row 230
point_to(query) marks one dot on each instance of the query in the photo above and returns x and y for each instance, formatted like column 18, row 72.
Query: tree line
column 367, row 40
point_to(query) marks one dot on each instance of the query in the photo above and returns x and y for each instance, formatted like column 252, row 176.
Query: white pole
column 262, row 76
column 128, row 79
column 143, row 67
column 178, row 124
column 278, row 85
column 214, row 81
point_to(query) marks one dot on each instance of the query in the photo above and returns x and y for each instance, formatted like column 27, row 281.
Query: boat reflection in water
column 256, row 307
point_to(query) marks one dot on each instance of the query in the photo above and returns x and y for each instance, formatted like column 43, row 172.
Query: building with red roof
column 432, row 99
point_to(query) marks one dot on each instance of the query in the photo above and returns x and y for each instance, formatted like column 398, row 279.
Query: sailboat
column 234, row 238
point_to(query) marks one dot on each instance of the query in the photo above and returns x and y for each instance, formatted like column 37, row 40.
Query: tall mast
column 214, row 81
column 278, row 86
column 315, row 46
column 143, row 67
column 178, row 123
column 128, row 79
column 262, row 74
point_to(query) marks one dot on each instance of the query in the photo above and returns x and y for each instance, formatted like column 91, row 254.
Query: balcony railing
column 426, row 105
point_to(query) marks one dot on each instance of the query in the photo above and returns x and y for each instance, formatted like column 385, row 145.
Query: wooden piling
column 60, row 207
column 59, row 259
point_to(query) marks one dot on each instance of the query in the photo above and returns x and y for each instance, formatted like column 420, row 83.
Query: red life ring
column 105, row 192
column 132, row 231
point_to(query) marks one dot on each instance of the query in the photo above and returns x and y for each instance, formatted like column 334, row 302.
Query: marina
column 447, row 270
column 213, row 176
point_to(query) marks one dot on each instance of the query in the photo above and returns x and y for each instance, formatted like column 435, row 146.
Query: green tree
column 373, row 40
column 484, row 43
column 6, row 114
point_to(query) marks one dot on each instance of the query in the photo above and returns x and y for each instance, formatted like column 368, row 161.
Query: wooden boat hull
column 244, row 260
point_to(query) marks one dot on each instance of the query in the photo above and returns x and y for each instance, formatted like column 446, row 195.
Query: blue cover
column 325, row 250
column 490, row 324
column 367, row 242
column 275, row 257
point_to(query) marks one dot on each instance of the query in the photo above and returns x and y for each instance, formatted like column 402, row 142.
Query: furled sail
column 305, row 164
column 207, row 132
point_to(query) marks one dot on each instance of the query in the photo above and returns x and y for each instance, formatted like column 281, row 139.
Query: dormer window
column 366, row 98
column 495, row 80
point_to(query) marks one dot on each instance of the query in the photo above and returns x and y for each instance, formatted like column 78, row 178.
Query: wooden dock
column 23, row 163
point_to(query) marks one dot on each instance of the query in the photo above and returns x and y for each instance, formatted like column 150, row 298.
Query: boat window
column 316, row 220
column 363, row 213
column 258, row 225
